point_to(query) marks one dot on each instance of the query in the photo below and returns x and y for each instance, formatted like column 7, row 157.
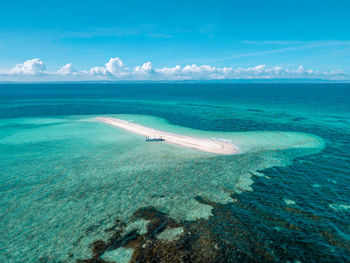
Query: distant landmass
column 304, row 80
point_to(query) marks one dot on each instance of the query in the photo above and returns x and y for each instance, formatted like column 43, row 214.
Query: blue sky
column 224, row 39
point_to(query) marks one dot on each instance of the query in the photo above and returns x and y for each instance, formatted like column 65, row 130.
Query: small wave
column 289, row 201
column 339, row 207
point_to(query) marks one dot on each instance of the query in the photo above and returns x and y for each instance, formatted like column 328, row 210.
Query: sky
column 174, row 40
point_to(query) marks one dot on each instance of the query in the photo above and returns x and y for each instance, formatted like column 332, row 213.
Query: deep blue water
column 300, row 212
column 333, row 96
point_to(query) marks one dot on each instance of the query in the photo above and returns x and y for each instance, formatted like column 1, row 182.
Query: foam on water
column 65, row 180
column 289, row 201
column 340, row 207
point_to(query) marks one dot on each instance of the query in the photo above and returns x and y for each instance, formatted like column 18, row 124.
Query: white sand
column 201, row 144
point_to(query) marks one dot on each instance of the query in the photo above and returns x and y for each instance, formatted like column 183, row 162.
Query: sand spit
column 201, row 144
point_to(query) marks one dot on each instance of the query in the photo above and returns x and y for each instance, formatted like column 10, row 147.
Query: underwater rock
column 227, row 236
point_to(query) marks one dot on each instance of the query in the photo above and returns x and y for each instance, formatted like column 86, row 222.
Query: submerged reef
column 229, row 235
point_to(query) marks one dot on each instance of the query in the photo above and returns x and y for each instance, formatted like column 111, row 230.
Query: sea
column 74, row 189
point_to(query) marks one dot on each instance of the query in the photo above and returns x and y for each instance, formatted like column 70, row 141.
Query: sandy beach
column 201, row 144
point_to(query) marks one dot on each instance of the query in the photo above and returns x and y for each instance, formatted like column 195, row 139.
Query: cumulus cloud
column 169, row 72
column 115, row 69
column 30, row 67
column 209, row 72
column 115, row 66
column 145, row 69
column 257, row 72
column 66, row 70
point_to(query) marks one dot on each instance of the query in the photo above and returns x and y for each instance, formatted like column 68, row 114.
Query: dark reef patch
column 230, row 235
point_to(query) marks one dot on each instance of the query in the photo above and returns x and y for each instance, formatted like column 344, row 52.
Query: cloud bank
column 30, row 67
column 115, row 69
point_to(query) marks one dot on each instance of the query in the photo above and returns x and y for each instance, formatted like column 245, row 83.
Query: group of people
column 154, row 139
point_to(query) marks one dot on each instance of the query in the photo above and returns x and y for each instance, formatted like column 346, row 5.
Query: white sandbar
column 201, row 144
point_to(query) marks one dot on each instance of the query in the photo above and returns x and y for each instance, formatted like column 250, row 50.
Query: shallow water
column 66, row 177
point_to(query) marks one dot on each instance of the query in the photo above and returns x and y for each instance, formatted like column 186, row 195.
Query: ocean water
column 68, row 180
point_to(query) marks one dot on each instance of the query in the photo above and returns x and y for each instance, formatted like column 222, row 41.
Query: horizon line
column 214, row 81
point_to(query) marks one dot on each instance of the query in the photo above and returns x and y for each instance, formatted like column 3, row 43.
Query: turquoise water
column 66, row 178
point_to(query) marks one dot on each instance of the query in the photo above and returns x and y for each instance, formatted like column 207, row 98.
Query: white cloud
column 66, row 70
column 169, row 72
column 145, row 69
column 30, row 67
column 115, row 69
column 115, row 66
column 98, row 71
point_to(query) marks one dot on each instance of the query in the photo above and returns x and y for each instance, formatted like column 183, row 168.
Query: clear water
column 65, row 177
